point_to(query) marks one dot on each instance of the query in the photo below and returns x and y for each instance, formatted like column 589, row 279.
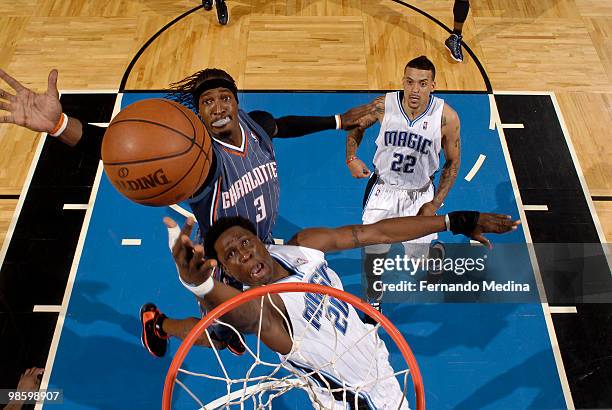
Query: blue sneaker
column 453, row 44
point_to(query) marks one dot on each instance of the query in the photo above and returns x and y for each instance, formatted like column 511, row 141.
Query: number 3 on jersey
column 408, row 163
column 260, row 206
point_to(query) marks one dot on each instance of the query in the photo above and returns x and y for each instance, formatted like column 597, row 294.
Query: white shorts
column 384, row 202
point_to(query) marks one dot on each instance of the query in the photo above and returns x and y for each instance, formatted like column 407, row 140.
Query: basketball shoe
column 153, row 337
column 222, row 13
column 453, row 44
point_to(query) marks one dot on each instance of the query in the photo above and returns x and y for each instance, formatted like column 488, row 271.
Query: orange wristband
column 353, row 158
column 60, row 126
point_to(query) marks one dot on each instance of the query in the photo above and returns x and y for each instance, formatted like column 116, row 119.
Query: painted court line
column 179, row 209
column 476, row 167
column 518, row 126
column 24, row 191
column 73, row 270
column 569, row 401
column 131, row 242
column 47, row 308
column 563, row 309
column 100, row 124
column 583, row 184
column 535, row 207
column 75, row 206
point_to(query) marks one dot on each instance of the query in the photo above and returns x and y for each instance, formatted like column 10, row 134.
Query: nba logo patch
column 424, row 125
column 254, row 136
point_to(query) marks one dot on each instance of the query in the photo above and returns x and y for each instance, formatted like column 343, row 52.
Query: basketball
column 156, row 152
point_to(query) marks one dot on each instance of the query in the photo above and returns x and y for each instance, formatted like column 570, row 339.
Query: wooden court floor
column 564, row 46
column 560, row 46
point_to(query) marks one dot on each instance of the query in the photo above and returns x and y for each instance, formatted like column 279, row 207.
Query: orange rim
column 244, row 297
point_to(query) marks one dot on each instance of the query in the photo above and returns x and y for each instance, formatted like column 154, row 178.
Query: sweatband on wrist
column 463, row 222
column 350, row 159
column 338, row 121
column 60, row 126
column 447, row 222
column 202, row 289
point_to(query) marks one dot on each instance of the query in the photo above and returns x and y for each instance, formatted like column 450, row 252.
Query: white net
column 338, row 364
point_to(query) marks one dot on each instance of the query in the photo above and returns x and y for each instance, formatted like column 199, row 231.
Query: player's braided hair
column 187, row 91
column 220, row 226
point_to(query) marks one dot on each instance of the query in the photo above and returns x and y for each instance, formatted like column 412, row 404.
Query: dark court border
column 151, row 91
column 9, row 196
column 130, row 66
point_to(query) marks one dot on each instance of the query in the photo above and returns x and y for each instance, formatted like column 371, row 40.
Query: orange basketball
column 156, row 152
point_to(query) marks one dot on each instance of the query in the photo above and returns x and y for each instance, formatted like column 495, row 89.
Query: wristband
column 463, row 222
column 447, row 222
column 351, row 158
column 338, row 121
column 202, row 289
column 60, row 126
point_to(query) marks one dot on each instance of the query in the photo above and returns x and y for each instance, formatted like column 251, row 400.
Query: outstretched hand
column 38, row 112
column 492, row 223
column 190, row 260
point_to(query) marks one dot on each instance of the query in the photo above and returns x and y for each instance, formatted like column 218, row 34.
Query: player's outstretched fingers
column 52, row 83
column 16, row 85
column 480, row 238
column 173, row 232
column 5, row 95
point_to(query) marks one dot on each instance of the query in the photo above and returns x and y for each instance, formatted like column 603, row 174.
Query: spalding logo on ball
column 156, row 152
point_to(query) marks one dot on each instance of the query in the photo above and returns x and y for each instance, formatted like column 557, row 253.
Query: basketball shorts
column 383, row 202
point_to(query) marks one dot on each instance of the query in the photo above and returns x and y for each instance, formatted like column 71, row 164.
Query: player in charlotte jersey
column 414, row 127
column 242, row 179
column 232, row 243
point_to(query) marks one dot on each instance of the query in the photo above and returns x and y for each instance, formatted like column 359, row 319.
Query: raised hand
column 190, row 260
column 38, row 112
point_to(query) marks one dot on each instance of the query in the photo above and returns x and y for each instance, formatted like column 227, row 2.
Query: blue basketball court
column 473, row 355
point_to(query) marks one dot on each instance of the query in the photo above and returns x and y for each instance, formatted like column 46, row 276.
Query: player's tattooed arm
column 451, row 143
column 368, row 115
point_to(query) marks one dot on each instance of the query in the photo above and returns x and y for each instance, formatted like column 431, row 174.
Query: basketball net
column 264, row 381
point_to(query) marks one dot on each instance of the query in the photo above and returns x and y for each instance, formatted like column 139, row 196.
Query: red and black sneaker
column 153, row 338
column 231, row 341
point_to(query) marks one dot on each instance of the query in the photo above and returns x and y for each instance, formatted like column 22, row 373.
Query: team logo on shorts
column 300, row 261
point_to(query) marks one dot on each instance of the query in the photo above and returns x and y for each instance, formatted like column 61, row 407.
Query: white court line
column 563, row 309
column 26, row 186
column 535, row 207
column 516, row 126
column 89, row 91
column 131, row 242
column 47, row 308
column 44, row 383
column 475, row 168
column 475, row 243
column 279, row 241
column 100, row 124
column 182, row 211
column 492, row 114
column 585, row 188
column 75, row 206
column 569, row 401
column 523, row 92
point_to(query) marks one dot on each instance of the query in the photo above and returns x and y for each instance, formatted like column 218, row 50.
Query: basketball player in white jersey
column 415, row 127
column 233, row 243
